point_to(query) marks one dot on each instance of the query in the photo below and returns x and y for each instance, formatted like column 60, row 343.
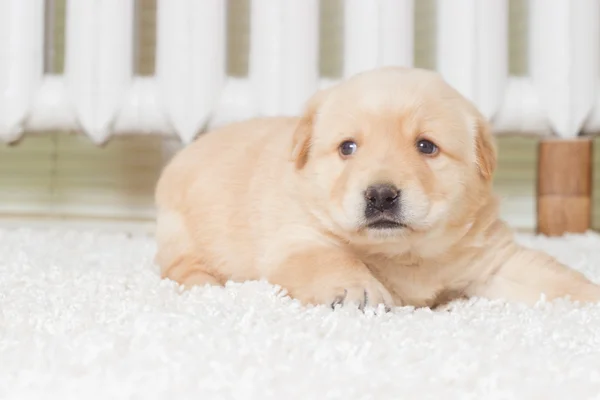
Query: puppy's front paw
column 367, row 294
column 587, row 293
column 330, row 277
column 361, row 293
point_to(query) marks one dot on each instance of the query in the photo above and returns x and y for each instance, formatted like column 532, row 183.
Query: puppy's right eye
column 427, row 147
column 347, row 148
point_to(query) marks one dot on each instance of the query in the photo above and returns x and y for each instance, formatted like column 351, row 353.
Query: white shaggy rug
column 83, row 315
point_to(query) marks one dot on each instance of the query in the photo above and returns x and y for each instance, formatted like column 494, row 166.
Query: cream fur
column 271, row 198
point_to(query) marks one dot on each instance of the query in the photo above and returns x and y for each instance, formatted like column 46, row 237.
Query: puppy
column 380, row 193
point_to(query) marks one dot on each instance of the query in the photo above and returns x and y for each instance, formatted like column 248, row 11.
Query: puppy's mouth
column 385, row 224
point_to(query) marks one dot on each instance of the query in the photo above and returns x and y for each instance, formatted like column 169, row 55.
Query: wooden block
column 565, row 167
column 564, row 190
column 558, row 215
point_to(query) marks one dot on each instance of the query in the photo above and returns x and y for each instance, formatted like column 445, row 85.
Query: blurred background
column 65, row 175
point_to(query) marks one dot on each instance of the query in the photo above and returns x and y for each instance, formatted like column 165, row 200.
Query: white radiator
column 99, row 94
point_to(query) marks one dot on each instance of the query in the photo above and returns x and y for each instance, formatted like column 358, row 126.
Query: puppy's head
column 391, row 152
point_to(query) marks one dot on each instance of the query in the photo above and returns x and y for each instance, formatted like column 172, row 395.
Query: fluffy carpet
column 83, row 315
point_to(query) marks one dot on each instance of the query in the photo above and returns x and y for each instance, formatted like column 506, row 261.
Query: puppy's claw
column 365, row 301
column 339, row 300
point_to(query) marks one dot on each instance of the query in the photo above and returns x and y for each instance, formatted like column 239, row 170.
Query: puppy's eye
column 427, row 147
column 347, row 148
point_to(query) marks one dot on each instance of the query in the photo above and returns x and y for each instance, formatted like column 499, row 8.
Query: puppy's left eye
column 427, row 147
column 347, row 148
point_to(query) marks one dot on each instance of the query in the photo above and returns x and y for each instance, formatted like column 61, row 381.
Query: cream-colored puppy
column 379, row 193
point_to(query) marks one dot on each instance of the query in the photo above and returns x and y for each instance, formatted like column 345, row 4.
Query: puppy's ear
column 485, row 148
column 302, row 137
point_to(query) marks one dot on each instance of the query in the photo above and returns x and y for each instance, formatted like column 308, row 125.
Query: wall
column 63, row 174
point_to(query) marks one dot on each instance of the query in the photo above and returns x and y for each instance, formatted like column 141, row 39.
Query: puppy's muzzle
column 382, row 206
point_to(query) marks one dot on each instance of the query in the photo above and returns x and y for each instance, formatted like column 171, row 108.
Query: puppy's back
column 206, row 200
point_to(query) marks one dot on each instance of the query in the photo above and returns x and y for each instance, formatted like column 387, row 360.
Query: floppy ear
column 485, row 148
column 301, row 139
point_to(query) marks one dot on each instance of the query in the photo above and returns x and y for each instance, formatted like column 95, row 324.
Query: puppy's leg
column 323, row 275
column 176, row 255
column 189, row 271
column 527, row 274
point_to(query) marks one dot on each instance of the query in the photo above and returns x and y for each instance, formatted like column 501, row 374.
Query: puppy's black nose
column 382, row 197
